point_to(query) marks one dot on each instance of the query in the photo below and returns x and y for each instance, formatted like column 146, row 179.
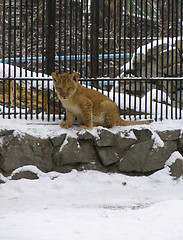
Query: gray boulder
column 73, row 152
column 20, row 150
column 158, row 156
column 176, row 168
column 135, row 157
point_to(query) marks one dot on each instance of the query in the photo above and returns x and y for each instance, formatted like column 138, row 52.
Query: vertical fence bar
column 37, row 38
column 152, row 24
column 95, row 38
column 114, row 51
column 130, row 47
column 3, row 52
column 14, row 92
column 120, row 26
column 26, row 55
column 21, row 9
column 168, row 42
column 171, row 98
column 43, row 38
column 48, row 100
column 76, row 34
column 65, row 35
column 151, row 69
column 81, row 39
column 157, row 58
column 172, row 35
column 31, row 87
column 168, row 37
column 103, row 35
column 146, row 42
column 124, row 40
column 43, row 55
column 141, row 35
column 162, row 56
column 135, row 82
column 181, row 36
column 86, row 37
column 157, row 38
column 124, row 43
column 119, row 66
column 9, row 56
column 50, row 41
column 181, row 42
column 124, row 99
column 71, row 40
column 114, row 44
column 162, row 37
column 167, row 96
column 108, row 41
column 135, row 37
column 176, row 58
column 91, row 41
column 176, row 36
column 60, row 35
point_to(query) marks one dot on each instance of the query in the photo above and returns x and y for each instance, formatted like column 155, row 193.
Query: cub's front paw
column 65, row 124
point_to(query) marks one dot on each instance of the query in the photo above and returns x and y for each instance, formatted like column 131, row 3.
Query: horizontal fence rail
column 130, row 50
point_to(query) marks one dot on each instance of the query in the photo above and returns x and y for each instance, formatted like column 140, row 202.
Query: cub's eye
column 60, row 89
column 69, row 88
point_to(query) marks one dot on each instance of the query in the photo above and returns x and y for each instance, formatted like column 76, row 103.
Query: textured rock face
column 19, row 150
column 131, row 152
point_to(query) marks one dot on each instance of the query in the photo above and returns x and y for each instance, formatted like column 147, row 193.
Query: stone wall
column 132, row 152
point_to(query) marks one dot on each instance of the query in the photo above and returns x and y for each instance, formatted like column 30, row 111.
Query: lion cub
column 90, row 106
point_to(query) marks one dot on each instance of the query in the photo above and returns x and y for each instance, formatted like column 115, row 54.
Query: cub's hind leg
column 110, row 113
column 87, row 114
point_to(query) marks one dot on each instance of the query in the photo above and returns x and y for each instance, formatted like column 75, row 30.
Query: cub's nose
column 64, row 97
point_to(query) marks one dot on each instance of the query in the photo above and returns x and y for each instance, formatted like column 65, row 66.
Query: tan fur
column 92, row 107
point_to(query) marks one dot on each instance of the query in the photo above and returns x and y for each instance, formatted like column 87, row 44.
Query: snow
column 11, row 71
column 44, row 129
column 170, row 42
column 90, row 205
column 174, row 156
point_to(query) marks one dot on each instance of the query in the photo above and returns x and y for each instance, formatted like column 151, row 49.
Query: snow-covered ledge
column 133, row 150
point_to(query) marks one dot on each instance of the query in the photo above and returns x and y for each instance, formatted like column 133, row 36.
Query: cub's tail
column 128, row 123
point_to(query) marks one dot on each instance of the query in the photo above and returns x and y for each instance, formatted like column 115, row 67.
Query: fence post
column 94, row 38
column 50, row 38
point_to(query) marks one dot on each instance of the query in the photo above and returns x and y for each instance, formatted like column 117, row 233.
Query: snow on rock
column 174, row 156
column 157, row 141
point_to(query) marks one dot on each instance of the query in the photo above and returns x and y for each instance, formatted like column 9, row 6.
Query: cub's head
column 65, row 84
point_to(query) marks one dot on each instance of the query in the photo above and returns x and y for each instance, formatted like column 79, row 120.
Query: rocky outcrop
column 157, row 59
column 133, row 152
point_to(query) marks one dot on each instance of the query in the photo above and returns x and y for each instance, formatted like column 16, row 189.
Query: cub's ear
column 75, row 76
column 54, row 76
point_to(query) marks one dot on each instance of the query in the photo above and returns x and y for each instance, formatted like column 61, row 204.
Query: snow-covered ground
column 90, row 205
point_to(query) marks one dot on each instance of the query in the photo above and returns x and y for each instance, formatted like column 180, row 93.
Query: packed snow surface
column 45, row 129
column 90, row 205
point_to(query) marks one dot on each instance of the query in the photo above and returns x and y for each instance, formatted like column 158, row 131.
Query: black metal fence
column 130, row 50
